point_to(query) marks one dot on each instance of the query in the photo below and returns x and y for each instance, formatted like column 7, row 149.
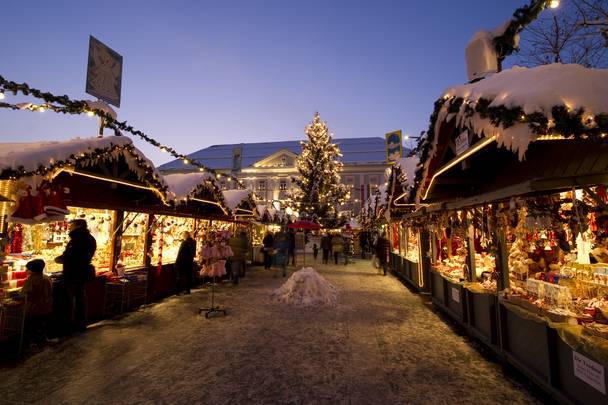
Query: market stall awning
column 196, row 192
column 240, row 202
column 95, row 172
column 515, row 127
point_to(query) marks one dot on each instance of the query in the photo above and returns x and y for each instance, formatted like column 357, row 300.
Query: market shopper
column 184, row 263
column 281, row 249
column 38, row 295
column 268, row 243
column 77, row 271
column 291, row 253
column 238, row 244
column 382, row 251
column 326, row 247
column 337, row 246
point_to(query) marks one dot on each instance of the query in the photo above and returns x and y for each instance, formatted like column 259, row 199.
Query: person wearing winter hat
column 38, row 294
column 77, row 271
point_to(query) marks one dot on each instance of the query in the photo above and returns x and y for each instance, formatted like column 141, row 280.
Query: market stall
column 197, row 206
column 54, row 182
column 526, row 150
column 409, row 257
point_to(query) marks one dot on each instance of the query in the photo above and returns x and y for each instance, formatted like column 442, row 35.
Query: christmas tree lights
column 319, row 192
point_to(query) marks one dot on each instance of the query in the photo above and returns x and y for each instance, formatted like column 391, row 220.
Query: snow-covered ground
column 381, row 344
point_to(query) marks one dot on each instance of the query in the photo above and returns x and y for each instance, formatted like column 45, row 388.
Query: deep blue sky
column 198, row 73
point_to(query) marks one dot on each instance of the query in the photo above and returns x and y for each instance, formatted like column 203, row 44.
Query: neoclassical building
column 267, row 167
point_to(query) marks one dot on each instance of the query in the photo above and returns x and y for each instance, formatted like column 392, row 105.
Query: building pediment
column 280, row 158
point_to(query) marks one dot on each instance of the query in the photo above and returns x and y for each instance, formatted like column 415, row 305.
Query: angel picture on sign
column 104, row 73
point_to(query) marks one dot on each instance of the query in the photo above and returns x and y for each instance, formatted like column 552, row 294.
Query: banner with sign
column 394, row 148
column 104, row 72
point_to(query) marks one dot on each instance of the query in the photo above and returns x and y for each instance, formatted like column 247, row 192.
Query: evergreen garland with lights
column 64, row 105
column 319, row 192
column 565, row 123
column 506, row 43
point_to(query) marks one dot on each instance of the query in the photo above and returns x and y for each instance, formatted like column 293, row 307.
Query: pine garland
column 570, row 124
column 505, row 44
column 63, row 104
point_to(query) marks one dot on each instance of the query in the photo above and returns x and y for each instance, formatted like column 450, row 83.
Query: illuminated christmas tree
column 319, row 192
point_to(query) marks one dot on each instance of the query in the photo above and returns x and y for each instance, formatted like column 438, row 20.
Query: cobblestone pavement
column 382, row 344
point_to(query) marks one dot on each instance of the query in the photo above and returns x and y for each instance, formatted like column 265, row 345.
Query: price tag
column 456, row 294
column 589, row 371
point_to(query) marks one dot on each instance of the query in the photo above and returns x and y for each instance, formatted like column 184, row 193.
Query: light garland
column 565, row 123
column 63, row 104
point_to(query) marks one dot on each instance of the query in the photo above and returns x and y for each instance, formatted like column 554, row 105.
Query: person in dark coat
column 184, row 263
column 382, row 251
column 268, row 242
column 38, row 294
column 77, row 271
column 238, row 243
column 326, row 247
column 291, row 253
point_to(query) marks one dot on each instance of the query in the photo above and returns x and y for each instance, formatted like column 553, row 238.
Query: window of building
column 283, row 185
column 261, row 184
column 350, row 181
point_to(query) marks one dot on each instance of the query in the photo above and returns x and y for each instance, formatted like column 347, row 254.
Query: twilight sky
column 198, row 73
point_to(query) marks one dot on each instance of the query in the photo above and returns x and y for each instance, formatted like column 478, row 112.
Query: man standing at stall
column 184, row 263
column 382, row 251
column 77, row 271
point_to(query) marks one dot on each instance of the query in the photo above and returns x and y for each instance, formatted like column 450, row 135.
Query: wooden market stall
column 410, row 238
column 53, row 182
column 512, row 187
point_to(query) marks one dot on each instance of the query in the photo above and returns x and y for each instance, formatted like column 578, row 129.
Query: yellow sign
column 394, row 148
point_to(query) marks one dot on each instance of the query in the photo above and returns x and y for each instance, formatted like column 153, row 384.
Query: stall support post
column 502, row 266
column 471, row 275
column 423, row 256
column 433, row 247
column 116, row 238
column 148, row 241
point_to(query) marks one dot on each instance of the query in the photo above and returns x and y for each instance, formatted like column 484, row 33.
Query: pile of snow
column 306, row 288
column 536, row 89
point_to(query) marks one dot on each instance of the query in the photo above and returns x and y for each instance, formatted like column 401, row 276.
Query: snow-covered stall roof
column 189, row 185
column 408, row 166
column 35, row 160
column 234, row 198
column 521, row 105
column 534, row 90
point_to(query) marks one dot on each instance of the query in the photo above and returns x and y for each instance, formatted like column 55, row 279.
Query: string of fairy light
column 64, row 105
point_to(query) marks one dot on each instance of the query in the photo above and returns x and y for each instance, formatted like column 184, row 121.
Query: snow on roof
column 31, row 156
column 408, row 166
column 182, row 185
column 536, row 89
column 354, row 151
column 235, row 197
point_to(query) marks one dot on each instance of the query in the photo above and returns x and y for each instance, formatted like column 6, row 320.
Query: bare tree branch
column 577, row 32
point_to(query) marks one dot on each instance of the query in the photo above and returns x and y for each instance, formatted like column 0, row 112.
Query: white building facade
column 268, row 168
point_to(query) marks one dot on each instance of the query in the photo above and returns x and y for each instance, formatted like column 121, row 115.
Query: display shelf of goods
column 411, row 251
column 557, row 260
column 453, row 251
column 46, row 241
column 167, row 237
column 452, row 262
column 133, row 240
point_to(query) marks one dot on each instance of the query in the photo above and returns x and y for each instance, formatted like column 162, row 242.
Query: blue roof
column 355, row 151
